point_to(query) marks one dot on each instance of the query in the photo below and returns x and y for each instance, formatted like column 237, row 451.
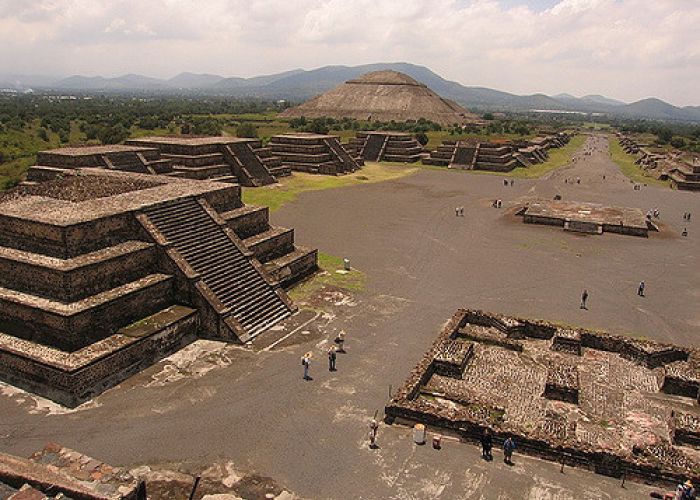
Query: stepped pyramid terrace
column 385, row 146
column 313, row 153
column 104, row 272
column 241, row 160
column 222, row 159
column 495, row 156
column 685, row 174
column 383, row 96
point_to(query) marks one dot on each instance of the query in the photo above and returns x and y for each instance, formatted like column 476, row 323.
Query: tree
column 247, row 129
column 488, row 116
column 43, row 134
column 664, row 134
column 422, row 138
column 112, row 135
column 678, row 142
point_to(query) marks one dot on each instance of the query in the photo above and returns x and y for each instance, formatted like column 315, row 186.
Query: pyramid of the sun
column 383, row 96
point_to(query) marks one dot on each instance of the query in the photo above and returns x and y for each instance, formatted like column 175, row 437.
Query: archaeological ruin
column 222, row 159
column 104, row 272
column 383, row 96
column 589, row 218
column 241, row 160
column 313, row 153
column 398, row 147
column 616, row 405
column 495, row 157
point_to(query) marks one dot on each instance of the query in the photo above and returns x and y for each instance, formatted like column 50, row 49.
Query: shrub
column 247, row 129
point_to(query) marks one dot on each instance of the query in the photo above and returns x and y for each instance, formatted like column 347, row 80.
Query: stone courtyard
column 606, row 403
column 205, row 403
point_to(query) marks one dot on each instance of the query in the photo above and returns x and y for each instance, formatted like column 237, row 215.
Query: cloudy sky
column 626, row 49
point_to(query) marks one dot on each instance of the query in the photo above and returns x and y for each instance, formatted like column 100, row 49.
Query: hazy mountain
column 599, row 99
column 194, row 80
column 99, row 83
column 299, row 85
column 23, row 82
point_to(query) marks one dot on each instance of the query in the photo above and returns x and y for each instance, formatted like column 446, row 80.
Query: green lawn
column 333, row 275
column 628, row 167
column 276, row 195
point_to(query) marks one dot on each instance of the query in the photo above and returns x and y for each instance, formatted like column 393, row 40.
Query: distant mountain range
column 299, row 85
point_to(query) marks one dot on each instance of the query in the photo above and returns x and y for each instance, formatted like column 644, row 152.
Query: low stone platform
column 618, row 406
column 313, row 153
column 226, row 158
column 588, row 218
column 104, row 272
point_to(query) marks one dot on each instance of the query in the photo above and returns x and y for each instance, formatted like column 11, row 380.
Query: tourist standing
column 508, row 448
column 584, row 298
column 306, row 361
column 331, row 359
column 486, row 445
column 640, row 289
column 685, row 232
column 373, row 429
column 340, row 341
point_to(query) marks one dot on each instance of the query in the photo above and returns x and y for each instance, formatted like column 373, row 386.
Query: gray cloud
column 627, row 49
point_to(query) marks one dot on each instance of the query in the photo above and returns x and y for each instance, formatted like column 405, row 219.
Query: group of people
column 487, row 446
column 685, row 491
column 507, row 182
column 333, row 351
column 459, row 211
column 654, row 212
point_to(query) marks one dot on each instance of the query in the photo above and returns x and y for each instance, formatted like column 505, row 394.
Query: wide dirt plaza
column 214, row 402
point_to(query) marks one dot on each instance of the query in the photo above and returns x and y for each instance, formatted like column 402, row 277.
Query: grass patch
column 276, row 195
column 352, row 281
column 629, row 167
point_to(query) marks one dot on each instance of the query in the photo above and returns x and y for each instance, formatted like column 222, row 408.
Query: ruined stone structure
column 496, row 157
column 314, row 153
column 587, row 217
column 55, row 472
column 104, row 272
column 685, row 174
column 221, row 159
column 476, row 156
column 611, row 404
column 240, row 160
column 385, row 146
column 383, row 96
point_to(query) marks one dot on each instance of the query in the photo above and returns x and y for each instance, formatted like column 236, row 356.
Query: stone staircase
column 348, row 163
column 374, row 145
column 241, row 291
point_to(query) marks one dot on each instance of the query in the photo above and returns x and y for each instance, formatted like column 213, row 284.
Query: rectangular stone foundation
column 615, row 383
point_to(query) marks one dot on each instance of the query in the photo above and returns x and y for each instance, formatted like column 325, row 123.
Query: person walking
column 456, row 211
column 508, row 448
column 640, row 289
column 486, row 445
column 331, row 358
column 584, row 298
column 306, row 361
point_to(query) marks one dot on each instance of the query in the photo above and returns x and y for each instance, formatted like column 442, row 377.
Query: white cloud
column 627, row 49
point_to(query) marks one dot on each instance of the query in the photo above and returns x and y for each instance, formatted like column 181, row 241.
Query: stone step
column 294, row 266
column 247, row 220
column 76, row 324
column 68, row 280
column 70, row 378
column 201, row 160
column 204, row 172
column 272, row 243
